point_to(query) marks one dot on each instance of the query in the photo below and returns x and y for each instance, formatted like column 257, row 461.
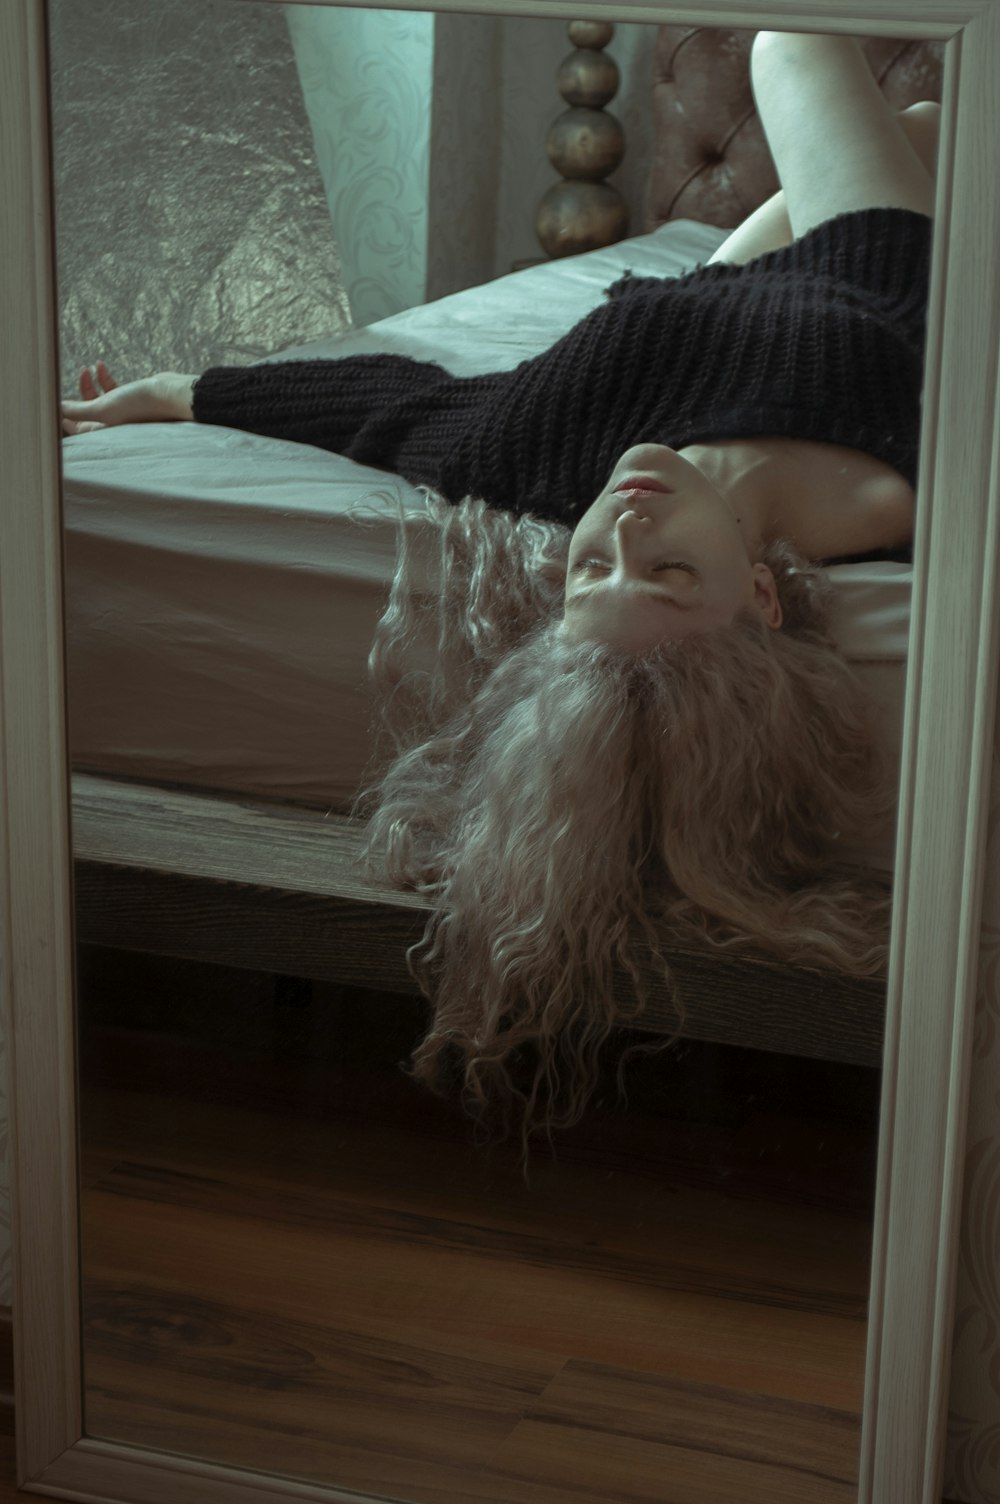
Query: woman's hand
column 163, row 398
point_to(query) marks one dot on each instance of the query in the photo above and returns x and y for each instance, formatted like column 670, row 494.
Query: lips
column 643, row 484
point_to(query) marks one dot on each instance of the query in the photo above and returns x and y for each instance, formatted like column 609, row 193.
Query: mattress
column 221, row 597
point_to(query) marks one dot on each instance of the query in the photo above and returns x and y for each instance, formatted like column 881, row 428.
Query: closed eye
column 666, row 564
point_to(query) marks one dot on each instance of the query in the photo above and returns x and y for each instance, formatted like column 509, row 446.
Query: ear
column 765, row 594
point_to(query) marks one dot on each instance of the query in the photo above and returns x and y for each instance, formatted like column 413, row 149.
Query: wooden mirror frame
column 940, row 846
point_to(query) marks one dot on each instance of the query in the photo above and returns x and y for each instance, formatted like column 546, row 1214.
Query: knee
column 926, row 110
column 793, row 45
column 784, row 60
column 922, row 124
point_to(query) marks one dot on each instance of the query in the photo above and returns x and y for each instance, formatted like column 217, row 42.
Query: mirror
column 146, row 1440
column 293, row 1259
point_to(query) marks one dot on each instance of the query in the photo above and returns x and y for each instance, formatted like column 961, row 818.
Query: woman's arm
column 390, row 411
column 163, row 398
column 385, row 410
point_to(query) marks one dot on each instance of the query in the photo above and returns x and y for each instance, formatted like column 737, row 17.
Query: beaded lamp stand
column 584, row 144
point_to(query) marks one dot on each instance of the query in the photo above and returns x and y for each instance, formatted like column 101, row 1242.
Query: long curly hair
column 571, row 809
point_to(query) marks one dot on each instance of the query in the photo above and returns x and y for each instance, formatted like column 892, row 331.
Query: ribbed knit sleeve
column 384, row 410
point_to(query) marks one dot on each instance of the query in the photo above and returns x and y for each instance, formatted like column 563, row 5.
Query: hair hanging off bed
column 570, row 810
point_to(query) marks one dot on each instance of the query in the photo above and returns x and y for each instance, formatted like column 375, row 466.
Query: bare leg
column 768, row 228
column 837, row 143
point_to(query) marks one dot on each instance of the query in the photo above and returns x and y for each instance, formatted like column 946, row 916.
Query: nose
column 630, row 535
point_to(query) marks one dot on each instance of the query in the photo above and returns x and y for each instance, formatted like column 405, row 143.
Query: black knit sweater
column 822, row 339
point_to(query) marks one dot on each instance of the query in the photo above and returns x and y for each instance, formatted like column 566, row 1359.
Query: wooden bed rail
column 275, row 888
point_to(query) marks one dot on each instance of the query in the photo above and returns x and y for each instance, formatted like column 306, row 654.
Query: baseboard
column 6, row 1372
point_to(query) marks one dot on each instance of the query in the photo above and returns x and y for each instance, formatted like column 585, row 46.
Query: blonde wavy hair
column 570, row 809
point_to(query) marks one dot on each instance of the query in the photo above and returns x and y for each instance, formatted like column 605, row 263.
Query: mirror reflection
column 581, row 581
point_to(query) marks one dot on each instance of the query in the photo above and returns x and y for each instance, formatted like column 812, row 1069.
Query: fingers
column 71, row 427
column 74, row 416
column 88, row 386
column 79, row 417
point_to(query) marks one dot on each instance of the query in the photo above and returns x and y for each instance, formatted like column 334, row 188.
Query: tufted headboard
column 710, row 158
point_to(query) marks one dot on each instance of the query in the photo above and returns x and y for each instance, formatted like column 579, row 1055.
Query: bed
column 221, row 594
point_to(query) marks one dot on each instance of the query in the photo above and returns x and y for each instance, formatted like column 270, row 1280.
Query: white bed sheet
column 220, row 600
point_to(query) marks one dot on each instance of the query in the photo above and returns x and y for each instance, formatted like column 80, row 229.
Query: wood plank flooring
column 296, row 1261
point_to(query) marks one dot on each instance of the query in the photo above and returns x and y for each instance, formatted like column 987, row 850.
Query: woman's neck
column 826, row 499
column 746, row 472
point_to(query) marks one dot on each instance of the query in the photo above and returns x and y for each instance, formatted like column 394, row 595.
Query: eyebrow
column 652, row 595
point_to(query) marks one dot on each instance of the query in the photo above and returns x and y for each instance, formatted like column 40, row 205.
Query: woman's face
column 660, row 554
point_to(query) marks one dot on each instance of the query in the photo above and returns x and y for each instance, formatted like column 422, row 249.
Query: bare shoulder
column 839, row 501
column 890, row 499
column 878, row 510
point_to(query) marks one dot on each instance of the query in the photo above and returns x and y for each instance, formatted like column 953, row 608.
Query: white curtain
column 430, row 137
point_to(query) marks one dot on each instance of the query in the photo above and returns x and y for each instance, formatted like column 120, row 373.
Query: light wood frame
column 945, row 781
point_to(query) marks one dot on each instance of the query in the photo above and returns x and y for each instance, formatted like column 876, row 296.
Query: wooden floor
column 296, row 1261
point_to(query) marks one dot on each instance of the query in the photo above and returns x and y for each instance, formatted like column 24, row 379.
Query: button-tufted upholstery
column 711, row 161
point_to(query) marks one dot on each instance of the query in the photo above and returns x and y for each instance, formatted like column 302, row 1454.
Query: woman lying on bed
column 638, row 726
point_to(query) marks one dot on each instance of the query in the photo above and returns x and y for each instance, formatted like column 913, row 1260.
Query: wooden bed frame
column 275, row 888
